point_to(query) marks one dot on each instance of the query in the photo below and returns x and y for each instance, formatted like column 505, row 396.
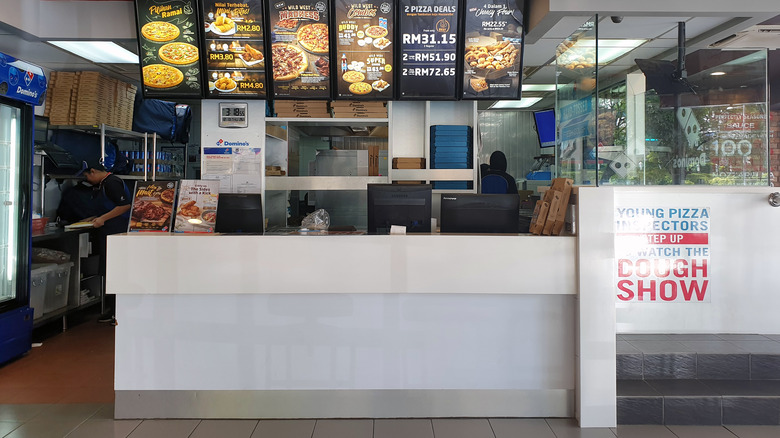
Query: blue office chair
column 494, row 184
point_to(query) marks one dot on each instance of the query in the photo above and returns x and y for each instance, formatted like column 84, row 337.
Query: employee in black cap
column 114, row 201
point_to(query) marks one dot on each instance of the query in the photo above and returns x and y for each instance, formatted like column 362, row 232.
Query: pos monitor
column 399, row 204
column 480, row 213
column 239, row 213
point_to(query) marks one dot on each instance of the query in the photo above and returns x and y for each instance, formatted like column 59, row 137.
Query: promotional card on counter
column 493, row 53
column 428, row 49
column 197, row 207
column 152, row 206
column 364, row 48
column 233, row 39
column 300, row 48
column 168, row 38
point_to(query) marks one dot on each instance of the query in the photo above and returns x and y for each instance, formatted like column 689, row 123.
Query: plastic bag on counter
column 46, row 255
column 317, row 220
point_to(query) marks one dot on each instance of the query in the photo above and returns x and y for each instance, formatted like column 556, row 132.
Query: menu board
column 364, row 49
column 235, row 53
column 168, row 35
column 428, row 49
column 300, row 48
column 493, row 55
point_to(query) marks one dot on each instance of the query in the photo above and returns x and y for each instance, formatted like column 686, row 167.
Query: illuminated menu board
column 493, row 55
column 364, row 49
column 300, row 48
column 235, row 53
column 428, row 49
column 168, row 35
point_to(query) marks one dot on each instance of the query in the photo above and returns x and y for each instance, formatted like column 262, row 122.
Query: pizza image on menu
column 287, row 25
column 289, row 61
column 376, row 31
column 162, row 76
column 353, row 76
column 178, row 53
column 360, row 88
column 314, row 37
column 160, row 31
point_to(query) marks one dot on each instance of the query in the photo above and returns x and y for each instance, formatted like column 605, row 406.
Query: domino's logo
column 219, row 143
column 28, row 78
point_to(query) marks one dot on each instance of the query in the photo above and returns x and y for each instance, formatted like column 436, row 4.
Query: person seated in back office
column 495, row 179
column 114, row 200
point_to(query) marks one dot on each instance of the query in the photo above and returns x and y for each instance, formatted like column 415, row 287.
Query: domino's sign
column 20, row 80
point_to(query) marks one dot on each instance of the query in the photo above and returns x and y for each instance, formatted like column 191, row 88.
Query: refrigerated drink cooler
column 22, row 85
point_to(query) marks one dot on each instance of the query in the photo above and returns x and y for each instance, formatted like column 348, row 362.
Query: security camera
column 616, row 19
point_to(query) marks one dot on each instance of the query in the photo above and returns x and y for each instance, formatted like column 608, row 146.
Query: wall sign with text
column 364, row 48
column 428, row 59
column 663, row 254
column 168, row 38
column 300, row 48
column 493, row 53
column 233, row 40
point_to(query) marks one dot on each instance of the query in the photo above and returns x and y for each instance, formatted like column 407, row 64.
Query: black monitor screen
column 545, row 127
column 239, row 213
column 480, row 213
column 399, row 204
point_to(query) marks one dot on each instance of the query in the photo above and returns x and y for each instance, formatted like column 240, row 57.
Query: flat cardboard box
column 540, row 214
column 565, row 187
column 552, row 213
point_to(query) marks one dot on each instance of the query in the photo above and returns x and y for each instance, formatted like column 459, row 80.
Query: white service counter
column 344, row 326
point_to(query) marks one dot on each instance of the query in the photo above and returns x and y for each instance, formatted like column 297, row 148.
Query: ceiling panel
column 545, row 75
column 566, row 27
column 638, row 27
column 641, row 53
column 540, row 52
column 698, row 25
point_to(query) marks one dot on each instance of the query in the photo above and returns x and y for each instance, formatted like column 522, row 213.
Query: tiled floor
column 65, row 389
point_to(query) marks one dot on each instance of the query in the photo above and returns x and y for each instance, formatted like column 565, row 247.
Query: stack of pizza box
column 359, row 109
column 549, row 215
column 96, row 99
column 61, row 99
column 302, row 108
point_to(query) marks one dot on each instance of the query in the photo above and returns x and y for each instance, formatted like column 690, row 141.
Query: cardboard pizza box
column 539, row 216
column 565, row 186
column 552, row 212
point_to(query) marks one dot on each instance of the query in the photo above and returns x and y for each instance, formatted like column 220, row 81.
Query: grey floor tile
column 403, row 427
column 723, row 366
column 224, row 429
column 714, row 347
column 773, row 337
column 640, row 410
column 343, row 429
column 630, row 366
column 164, row 429
column 106, row 412
column 568, row 428
column 759, row 347
column 284, row 429
column 520, row 428
column 642, row 431
column 694, row 337
column 77, row 411
column 21, row 413
column 693, row 411
column 56, row 428
column 701, row 432
column 742, row 337
column 763, row 411
column 462, row 428
column 682, row 387
column 765, row 366
column 755, row 431
column 105, row 429
column 755, row 388
column 7, row 427
column 669, row 366
column 646, row 337
column 635, row 388
column 651, row 347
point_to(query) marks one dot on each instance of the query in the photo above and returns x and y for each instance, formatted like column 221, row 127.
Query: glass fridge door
column 10, row 199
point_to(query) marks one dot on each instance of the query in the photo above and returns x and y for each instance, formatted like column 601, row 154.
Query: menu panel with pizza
column 364, row 47
column 235, row 53
column 428, row 49
column 168, row 38
column 300, row 48
column 493, row 54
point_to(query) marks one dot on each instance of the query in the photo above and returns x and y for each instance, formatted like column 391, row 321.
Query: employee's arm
column 116, row 211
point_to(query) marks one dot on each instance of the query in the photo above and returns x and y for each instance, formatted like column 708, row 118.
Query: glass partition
column 708, row 128
column 576, row 63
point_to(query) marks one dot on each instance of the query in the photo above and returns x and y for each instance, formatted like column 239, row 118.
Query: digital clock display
column 428, row 49
column 233, row 115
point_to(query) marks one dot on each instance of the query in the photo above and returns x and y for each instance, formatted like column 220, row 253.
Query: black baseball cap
column 90, row 164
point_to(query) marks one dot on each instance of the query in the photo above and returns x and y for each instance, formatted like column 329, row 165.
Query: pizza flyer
column 196, row 211
column 365, row 49
column 235, row 49
column 493, row 53
column 168, row 38
column 300, row 49
column 152, row 206
column 428, row 59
